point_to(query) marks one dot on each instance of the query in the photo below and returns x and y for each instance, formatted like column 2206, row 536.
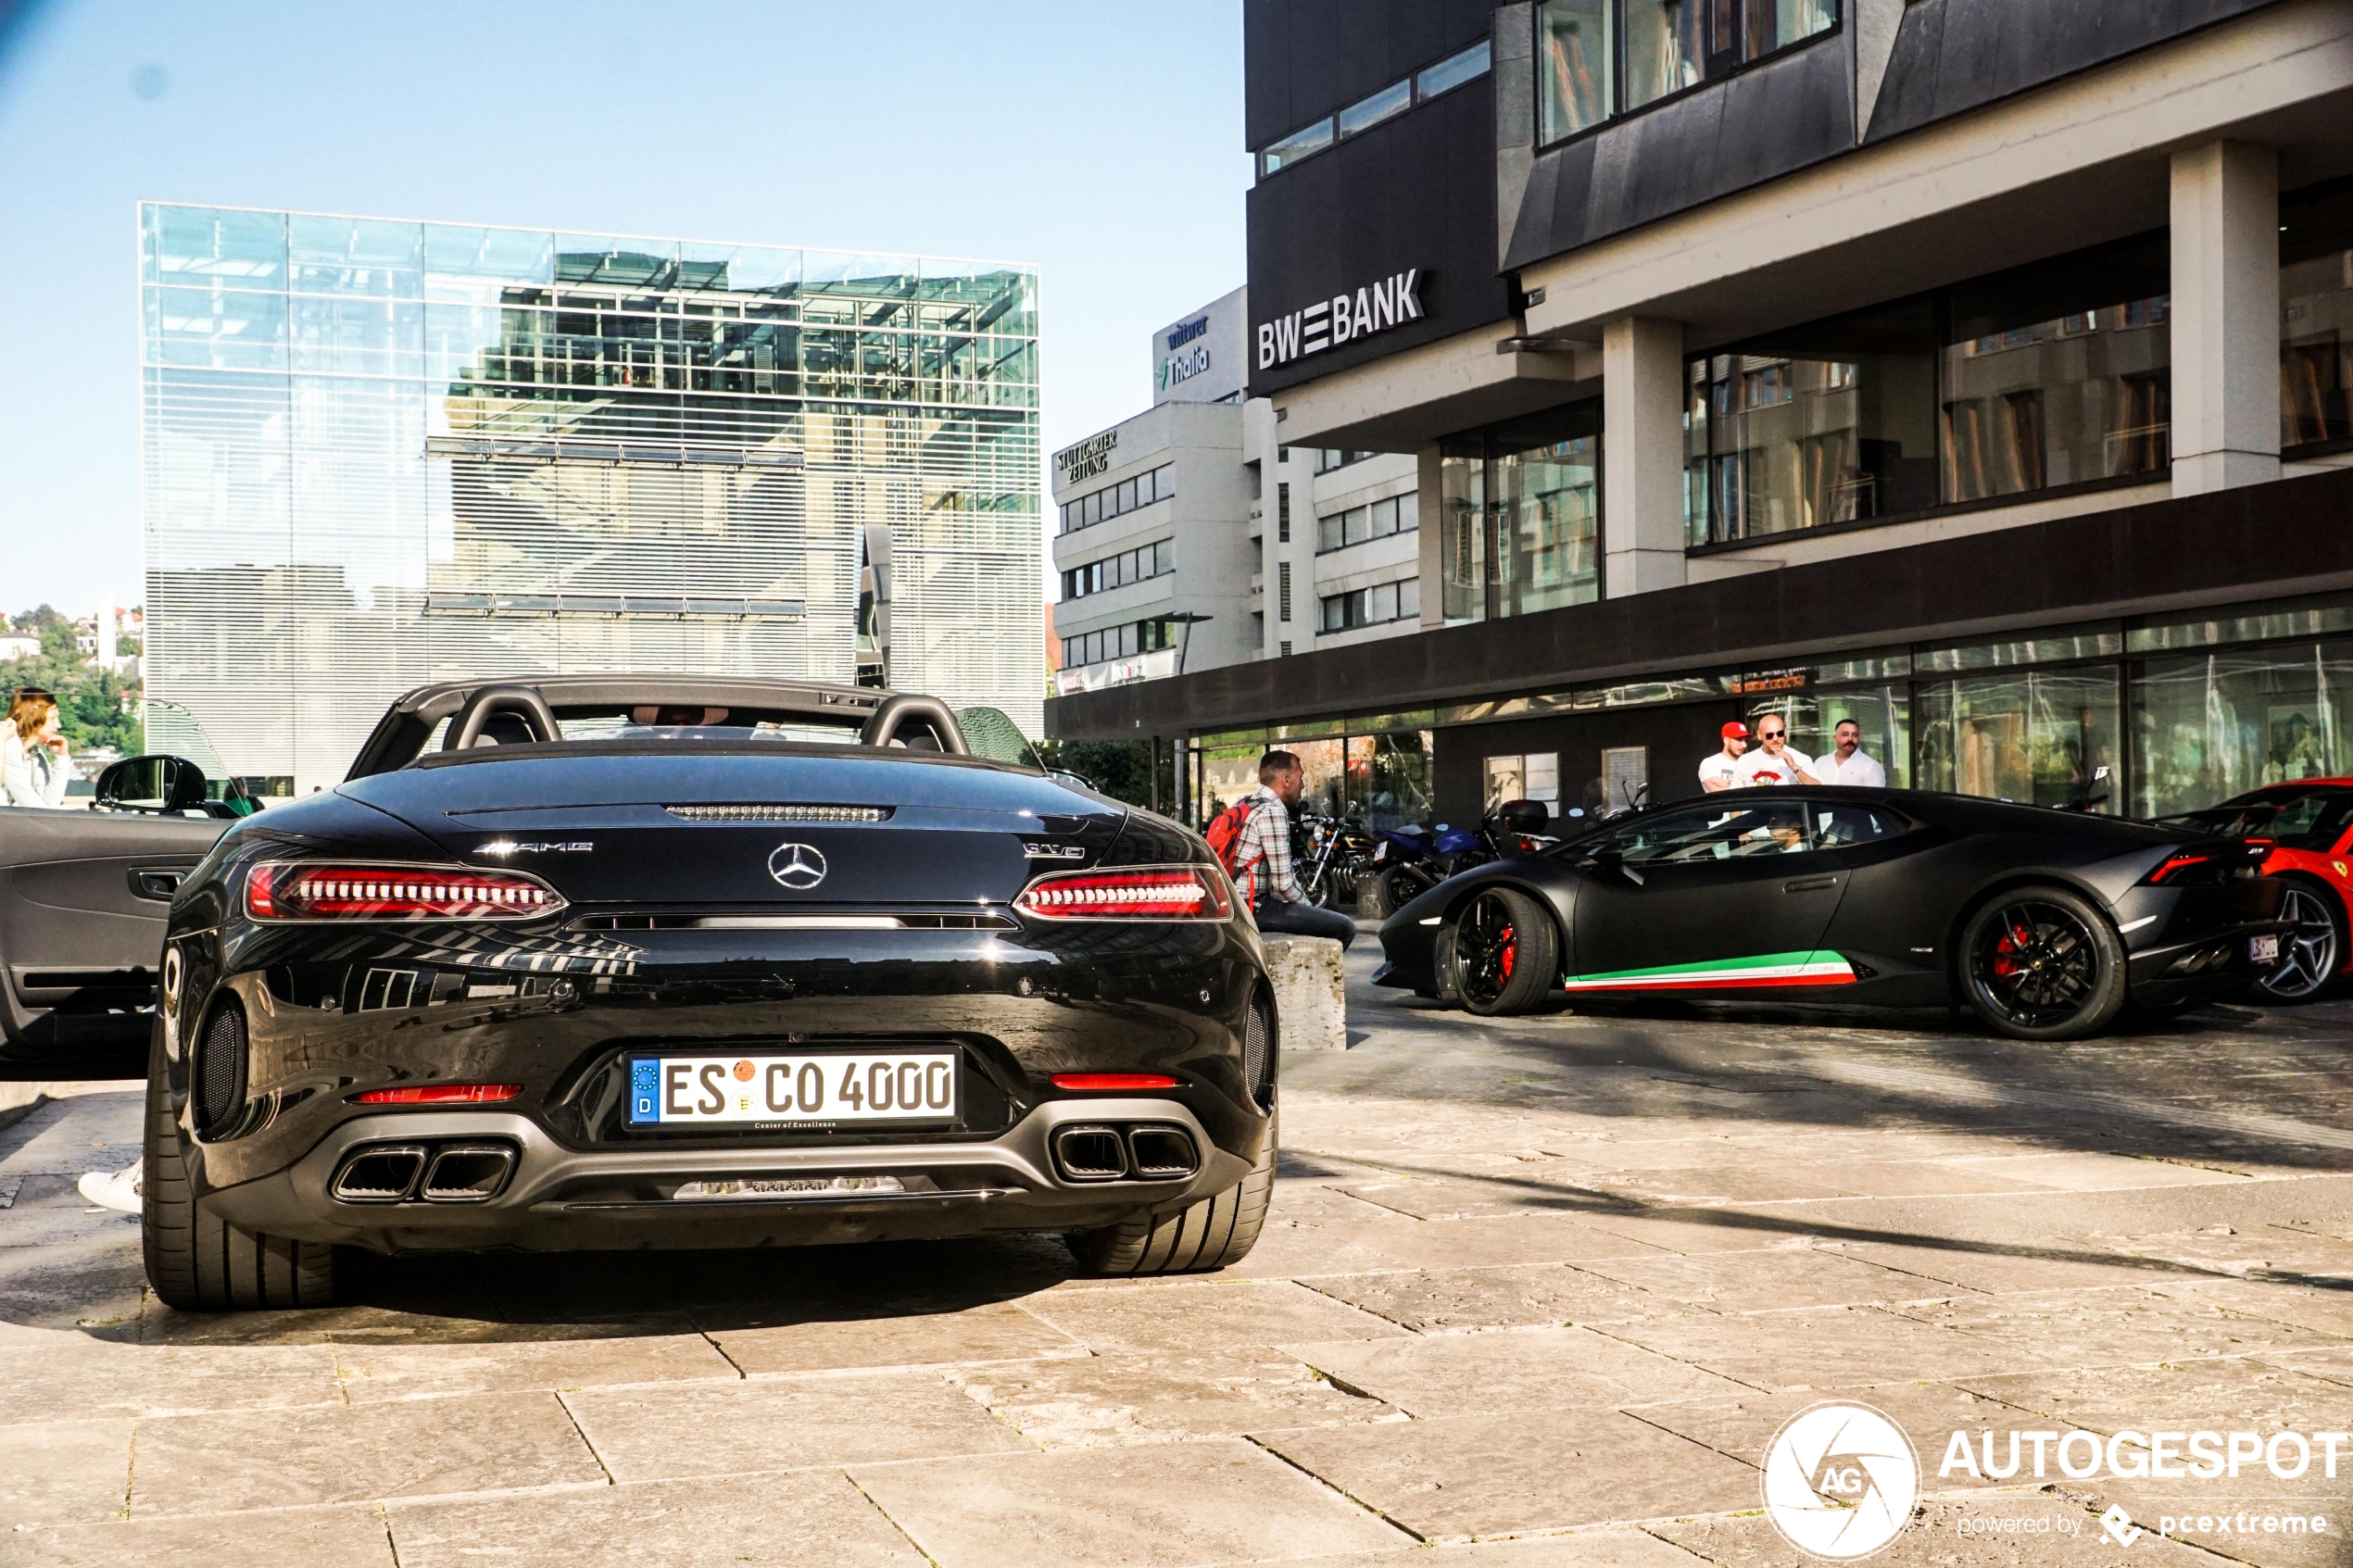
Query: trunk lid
column 654, row 825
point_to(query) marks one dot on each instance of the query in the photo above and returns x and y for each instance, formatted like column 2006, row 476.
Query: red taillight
column 1139, row 893
column 441, row 1093
column 1113, row 1081
column 285, row 891
column 2178, row 862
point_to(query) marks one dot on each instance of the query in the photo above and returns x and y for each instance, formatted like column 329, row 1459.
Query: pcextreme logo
column 1840, row 1481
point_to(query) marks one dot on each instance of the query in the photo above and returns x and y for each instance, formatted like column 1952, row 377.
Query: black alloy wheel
column 2310, row 955
column 2042, row 965
column 1506, row 955
column 1403, row 884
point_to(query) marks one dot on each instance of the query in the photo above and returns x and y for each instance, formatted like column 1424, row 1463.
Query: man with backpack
column 1252, row 838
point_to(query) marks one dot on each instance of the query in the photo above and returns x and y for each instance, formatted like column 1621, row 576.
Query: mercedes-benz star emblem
column 797, row 866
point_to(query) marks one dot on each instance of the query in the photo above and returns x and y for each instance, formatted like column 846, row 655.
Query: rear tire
column 198, row 1262
column 1401, row 885
column 1506, row 953
column 1376, row 900
column 2040, row 963
column 2311, row 955
column 1212, row 1233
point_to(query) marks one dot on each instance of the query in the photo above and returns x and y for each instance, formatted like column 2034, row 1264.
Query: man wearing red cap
column 1721, row 768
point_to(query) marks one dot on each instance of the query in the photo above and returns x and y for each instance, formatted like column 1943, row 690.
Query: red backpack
column 1224, row 832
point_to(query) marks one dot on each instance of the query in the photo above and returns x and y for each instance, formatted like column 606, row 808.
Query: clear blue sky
column 1099, row 141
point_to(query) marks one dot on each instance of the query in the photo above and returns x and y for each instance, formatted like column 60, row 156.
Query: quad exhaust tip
column 1151, row 1153
column 433, row 1172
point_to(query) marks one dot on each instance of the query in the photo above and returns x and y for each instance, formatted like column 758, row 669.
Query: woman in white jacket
column 33, row 751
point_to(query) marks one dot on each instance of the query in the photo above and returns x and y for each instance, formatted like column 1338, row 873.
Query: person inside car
column 1262, row 861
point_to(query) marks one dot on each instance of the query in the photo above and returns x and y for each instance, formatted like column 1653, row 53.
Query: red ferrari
column 2310, row 824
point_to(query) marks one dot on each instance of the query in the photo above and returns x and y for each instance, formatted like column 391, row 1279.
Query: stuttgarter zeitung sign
column 1088, row 459
column 1345, row 318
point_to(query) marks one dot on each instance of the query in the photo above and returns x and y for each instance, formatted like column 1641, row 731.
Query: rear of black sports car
column 631, row 995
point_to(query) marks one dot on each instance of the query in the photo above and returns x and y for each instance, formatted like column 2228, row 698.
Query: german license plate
column 783, row 1091
column 2263, row 949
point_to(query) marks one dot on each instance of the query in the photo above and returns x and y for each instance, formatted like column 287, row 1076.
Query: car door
column 84, row 895
column 1732, row 895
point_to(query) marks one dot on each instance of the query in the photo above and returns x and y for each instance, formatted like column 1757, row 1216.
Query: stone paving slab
column 237, row 1460
column 1743, row 1282
column 1398, row 1241
column 815, row 1518
column 2061, row 1533
column 654, row 1433
column 1160, row 1506
column 1529, row 1370
column 1100, row 1400
column 1489, row 1475
column 2236, row 1394
column 2106, row 1326
column 997, row 1331
column 2024, row 1264
column 1516, row 1296
column 1192, row 1316
column 1823, row 1346
column 1740, row 1426
column 64, row 1472
column 290, row 1538
column 63, row 1377
column 376, row 1372
column 1584, row 1548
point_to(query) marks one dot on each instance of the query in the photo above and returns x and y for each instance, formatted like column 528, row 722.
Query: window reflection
column 1521, row 516
column 2316, row 317
column 2209, row 726
column 1665, row 47
column 1576, row 58
column 2036, row 736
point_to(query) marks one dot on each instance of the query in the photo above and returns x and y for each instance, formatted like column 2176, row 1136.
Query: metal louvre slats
column 418, row 452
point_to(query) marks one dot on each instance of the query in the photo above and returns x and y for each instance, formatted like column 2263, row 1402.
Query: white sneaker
column 117, row 1190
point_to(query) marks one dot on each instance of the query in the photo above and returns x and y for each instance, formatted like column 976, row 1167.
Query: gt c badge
column 1037, row 851
column 797, row 866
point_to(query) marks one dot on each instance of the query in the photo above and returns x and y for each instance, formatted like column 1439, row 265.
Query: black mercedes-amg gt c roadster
column 2046, row 923
column 619, row 962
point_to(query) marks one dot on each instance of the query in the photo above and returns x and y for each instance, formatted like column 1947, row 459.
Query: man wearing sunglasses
column 1774, row 761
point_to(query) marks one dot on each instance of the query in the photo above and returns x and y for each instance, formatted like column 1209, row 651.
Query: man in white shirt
column 1720, row 769
column 1847, row 764
column 1774, row 761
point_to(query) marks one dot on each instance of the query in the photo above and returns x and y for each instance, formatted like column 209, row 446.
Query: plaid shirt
column 1262, row 854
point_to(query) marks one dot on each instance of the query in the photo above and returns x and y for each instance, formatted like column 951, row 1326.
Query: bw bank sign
column 1345, row 318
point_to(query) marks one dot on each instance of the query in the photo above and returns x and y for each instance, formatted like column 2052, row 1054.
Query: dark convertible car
column 607, row 962
column 2046, row 923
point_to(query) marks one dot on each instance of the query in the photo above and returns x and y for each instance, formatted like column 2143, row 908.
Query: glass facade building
column 382, row 453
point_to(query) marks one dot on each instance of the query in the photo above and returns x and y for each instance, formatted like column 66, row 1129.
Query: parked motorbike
column 1409, row 867
column 1335, row 851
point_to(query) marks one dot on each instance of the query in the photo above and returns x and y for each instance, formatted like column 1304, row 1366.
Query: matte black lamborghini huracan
column 2046, row 923
column 658, row 968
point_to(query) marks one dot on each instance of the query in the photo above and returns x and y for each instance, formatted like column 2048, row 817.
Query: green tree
column 96, row 707
column 1121, row 768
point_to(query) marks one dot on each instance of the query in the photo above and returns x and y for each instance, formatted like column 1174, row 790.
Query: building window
column 2031, row 735
column 1532, row 776
column 1124, row 641
column 1520, row 515
column 1576, row 67
column 1376, row 605
column 1116, row 571
column 2316, row 317
column 1282, row 574
column 1328, row 459
column 1399, row 514
column 1668, row 45
column 1467, row 65
column 1282, row 514
column 1286, row 651
column 2049, row 375
column 1114, row 500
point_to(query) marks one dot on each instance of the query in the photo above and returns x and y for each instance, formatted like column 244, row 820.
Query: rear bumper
column 561, row 1199
column 2208, row 964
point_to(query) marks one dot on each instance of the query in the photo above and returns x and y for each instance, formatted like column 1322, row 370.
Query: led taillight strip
column 1144, row 893
column 281, row 891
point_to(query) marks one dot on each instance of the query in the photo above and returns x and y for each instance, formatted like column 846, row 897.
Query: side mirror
column 155, row 784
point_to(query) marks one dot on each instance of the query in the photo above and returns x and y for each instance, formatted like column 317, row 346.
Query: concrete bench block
column 1311, row 1004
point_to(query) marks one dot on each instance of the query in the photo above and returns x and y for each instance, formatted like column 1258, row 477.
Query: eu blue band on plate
column 645, row 1091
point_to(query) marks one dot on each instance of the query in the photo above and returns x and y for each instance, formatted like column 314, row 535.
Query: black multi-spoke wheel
column 1506, row 953
column 2040, row 963
column 2310, row 955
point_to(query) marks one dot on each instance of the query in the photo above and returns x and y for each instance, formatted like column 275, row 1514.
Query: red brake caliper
column 1510, row 948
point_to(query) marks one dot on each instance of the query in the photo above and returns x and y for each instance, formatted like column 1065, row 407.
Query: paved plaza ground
column 1534, row 1293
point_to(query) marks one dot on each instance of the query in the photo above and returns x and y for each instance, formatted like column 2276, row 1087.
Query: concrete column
column 1641, row 456
column 2226, row 317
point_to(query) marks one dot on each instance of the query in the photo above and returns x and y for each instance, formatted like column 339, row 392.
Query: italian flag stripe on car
column 1817, row 967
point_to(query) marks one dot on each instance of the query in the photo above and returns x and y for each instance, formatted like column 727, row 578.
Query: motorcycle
column 1334, row 855
column 1406, row 868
